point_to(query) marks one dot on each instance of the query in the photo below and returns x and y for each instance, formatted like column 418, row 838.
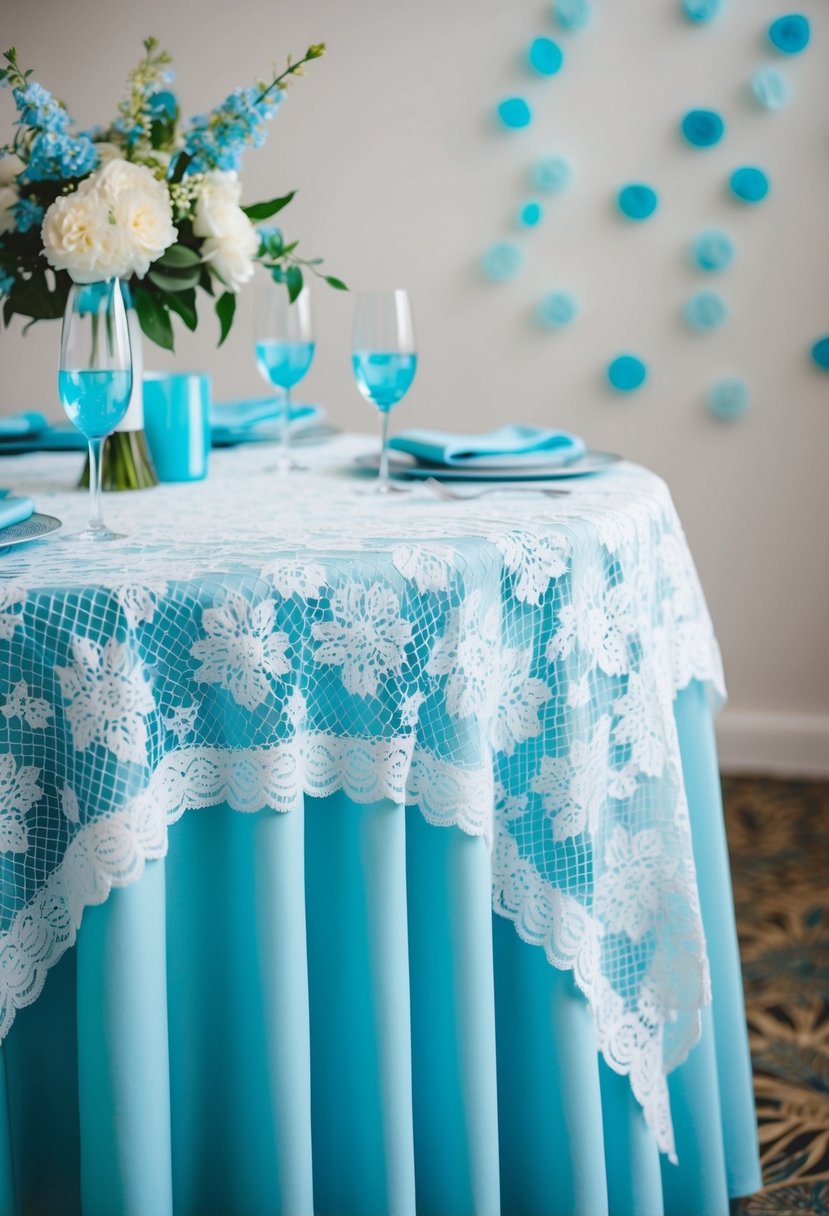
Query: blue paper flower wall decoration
column 557, row 310
column 790, row 35
column 711, row 251
column 637, row 202
column 749, row 184
column 728, row 399
column 626, row 373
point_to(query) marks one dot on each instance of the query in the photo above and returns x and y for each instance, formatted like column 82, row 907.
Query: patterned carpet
column 778, row 834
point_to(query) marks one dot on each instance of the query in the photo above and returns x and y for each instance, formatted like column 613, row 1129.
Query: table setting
column 338, row 777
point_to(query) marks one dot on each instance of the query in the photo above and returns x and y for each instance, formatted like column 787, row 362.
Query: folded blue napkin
column 14, row 510
column 16, row 426
column 50, row 439
column 509, row 446
column 231, row 421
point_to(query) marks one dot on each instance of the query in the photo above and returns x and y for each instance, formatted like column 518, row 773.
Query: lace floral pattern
column 509, row 671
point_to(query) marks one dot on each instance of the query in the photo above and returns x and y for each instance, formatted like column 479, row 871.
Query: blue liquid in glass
column 284, row 363
column 95, row 401
column 383, row 376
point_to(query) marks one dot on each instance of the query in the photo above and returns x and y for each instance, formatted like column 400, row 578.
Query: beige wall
column 404, row 182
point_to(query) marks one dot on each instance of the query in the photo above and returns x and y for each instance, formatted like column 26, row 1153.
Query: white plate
column 401, row 464
column 30, row 529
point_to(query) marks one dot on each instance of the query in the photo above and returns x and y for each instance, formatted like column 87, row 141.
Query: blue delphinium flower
column 6, row 282
column 53, row 156
column 38, row 108
column 217, row 140
column 28, row 214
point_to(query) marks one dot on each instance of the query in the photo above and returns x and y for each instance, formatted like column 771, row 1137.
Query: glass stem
column 96, row 447
column 383, row 477
column 286, row 430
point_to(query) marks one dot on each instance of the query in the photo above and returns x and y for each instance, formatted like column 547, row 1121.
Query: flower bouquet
column 150, row 200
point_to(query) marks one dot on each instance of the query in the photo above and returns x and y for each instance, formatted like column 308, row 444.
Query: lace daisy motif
column 107, row 697
column 12, row 598
column 34, row 711
column 366, row 637
column 241, row 652
column 19, row 791
column 467, row 655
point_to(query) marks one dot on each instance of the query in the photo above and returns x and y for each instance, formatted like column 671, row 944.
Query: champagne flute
column 284, row 348
column 95, row 378
column 384, row 361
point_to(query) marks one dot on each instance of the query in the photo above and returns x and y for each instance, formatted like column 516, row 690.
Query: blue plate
column 29, row 529
column 401, row 464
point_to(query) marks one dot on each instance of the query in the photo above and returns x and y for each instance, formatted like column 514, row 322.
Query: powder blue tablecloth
column 242, row 1034
column 454, row 709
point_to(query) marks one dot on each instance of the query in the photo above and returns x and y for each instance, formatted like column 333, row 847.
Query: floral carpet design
column 778, row 834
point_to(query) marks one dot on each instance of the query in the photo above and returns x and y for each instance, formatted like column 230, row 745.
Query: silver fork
column 443, row 491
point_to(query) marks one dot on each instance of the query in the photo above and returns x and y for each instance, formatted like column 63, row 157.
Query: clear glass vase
column 126, row 460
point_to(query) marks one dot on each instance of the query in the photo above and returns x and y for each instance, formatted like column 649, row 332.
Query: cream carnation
column 8, row 198
column 117, row 175
column 147, row 223
column 116, row 224
column 230, row 253
column 79, row 236
column 219, row 193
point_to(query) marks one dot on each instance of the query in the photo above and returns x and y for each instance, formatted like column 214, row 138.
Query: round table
column 458, row 955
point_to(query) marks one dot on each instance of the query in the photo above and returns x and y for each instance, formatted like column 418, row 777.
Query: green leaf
column 337, row 284
column 264, row 211
column 179, row 166
column 162, row 134
column 225, row 311
column 184, row 304
column 178, row 257
column 293, row 279
column 175, row 282
column 154, row 317
column 8, row 311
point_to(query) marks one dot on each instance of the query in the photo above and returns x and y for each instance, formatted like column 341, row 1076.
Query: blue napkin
column 17, row 426
column 234, row 421
column 49, row 439
column 14, row 510
column 508, row 446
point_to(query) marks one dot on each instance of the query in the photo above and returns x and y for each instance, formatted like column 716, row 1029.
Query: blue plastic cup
column 177, row 423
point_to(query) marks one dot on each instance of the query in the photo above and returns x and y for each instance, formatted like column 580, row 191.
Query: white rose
column 10, row 166
column 140, row 207
column 147, row 222
column 79, row 236
column 230, row 252
column 219, row 193
column 8, row 198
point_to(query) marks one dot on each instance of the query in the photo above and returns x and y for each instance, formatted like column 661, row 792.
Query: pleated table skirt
column 317, row 1013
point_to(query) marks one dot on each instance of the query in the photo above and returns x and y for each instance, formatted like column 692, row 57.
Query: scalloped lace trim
column 111, row 852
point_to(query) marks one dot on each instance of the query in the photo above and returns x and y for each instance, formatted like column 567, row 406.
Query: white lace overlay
column 507, row 665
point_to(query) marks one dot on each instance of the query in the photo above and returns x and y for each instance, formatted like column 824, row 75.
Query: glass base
column 378, row 490
column 286, row 464
column 102, row 532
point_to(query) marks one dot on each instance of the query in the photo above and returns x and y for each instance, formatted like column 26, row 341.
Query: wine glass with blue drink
column 284, row 348
column 95, row 378
column 384, row 360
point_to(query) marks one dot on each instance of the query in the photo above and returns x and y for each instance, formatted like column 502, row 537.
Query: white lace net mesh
column 508, row 665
